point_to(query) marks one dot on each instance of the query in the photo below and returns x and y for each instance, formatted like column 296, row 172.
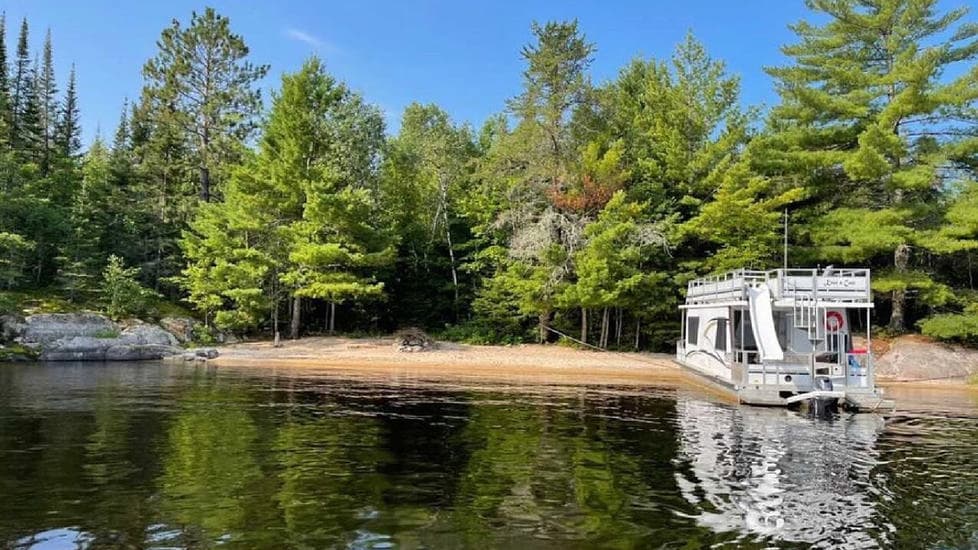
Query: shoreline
column 546, row 364
column 527, row 362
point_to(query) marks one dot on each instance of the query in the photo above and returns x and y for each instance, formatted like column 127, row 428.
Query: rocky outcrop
column 91, row 337
column 413, row 340
column 49, row 327
column 181, row 327
column 915, row 358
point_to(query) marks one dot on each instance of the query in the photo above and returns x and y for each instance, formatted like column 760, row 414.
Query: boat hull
column 857, row 399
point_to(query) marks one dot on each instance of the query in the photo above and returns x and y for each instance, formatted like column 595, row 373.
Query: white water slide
column 762, row 323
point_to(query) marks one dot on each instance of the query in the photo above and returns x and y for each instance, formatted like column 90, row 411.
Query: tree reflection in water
column 144, row 455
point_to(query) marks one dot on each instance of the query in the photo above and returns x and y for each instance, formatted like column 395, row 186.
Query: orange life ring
column 834, row 321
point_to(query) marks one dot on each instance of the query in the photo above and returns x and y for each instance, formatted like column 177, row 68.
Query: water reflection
column 780, row 475
column 153, row 456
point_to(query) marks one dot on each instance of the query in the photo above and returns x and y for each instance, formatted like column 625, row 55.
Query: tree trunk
column 618, row 329
column 451, row 257
column 275, row 323
column 296, row 317
column 543, row 321
column 638, row 331
column 604, row 329
column 901, row 260
column 584, row 325
column 205, row 184
column 332, row 317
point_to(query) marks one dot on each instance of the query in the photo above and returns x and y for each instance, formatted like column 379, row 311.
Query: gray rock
column 49, row 327
column 86, row 348
column 144, row 334
column 226, row 338
column 92, row 337
column 140, row 352
column 11, row 326
column 206, row 353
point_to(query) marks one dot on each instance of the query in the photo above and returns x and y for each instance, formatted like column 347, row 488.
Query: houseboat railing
column 845, row 285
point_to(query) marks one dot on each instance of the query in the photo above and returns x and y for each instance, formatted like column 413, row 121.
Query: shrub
column 953, row 327
column 121, row 292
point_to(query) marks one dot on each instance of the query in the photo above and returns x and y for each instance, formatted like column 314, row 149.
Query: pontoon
column 783, row 336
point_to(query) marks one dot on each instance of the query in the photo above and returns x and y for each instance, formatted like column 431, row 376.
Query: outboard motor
column 823, row 406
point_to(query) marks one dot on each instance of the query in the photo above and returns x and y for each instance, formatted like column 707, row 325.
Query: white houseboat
column 782, row 336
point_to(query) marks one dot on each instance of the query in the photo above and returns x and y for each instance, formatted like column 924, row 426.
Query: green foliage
column 580, row 205
column 868, row 124
column 201, row 84
column 300, row 216
column 14, row 250
column 955, row 327
column 122, row 294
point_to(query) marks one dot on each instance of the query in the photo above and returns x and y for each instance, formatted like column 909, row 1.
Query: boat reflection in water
column 779, row 475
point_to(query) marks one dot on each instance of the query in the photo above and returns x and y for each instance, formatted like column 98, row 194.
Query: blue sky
column 464, row 56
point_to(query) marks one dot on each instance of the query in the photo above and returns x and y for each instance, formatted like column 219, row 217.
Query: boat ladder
column 808, row 316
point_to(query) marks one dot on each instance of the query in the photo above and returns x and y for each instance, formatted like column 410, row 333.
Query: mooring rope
column 633, row 355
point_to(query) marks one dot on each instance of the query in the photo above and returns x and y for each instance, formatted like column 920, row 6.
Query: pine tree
column 6, row 108
column 67, row 132
column 91, row 215
column 202, row 82
column 864, row 124
column 47, row 104
column 30, row 139
column 300, row 218
column 612, row 268
column 22, row 86
column 536, row 162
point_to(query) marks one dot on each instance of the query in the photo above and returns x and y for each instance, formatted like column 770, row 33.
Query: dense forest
column 582, row 208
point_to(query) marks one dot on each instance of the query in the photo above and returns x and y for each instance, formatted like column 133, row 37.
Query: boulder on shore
column 181, row 327
column 917, row 358
column 93, row 337
column 413, row 340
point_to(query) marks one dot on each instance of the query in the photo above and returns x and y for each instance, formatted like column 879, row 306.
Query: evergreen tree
column 300, row 218
column 67, row 131
column 164, row 193
column 536, row 162
column 863, row 125
column 47, row 104
column 21, row 86
column 613, row 267
column 91, row 217
column 6, row 107
column 30, row 140
column 201, row 81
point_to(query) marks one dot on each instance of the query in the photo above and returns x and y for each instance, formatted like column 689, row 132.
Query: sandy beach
column 526, row 363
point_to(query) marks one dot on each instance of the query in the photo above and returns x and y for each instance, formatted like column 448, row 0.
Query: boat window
column 721, row 339
column 692, row 329
column 743, row 333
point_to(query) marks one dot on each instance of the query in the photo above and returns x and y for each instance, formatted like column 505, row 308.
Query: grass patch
column 107, row 333
column 53, row 300
column 17, row 352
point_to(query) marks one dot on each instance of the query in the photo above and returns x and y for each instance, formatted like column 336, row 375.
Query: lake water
column 151, row 455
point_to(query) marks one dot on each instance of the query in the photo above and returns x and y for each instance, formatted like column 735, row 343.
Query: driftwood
column 412, row 340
